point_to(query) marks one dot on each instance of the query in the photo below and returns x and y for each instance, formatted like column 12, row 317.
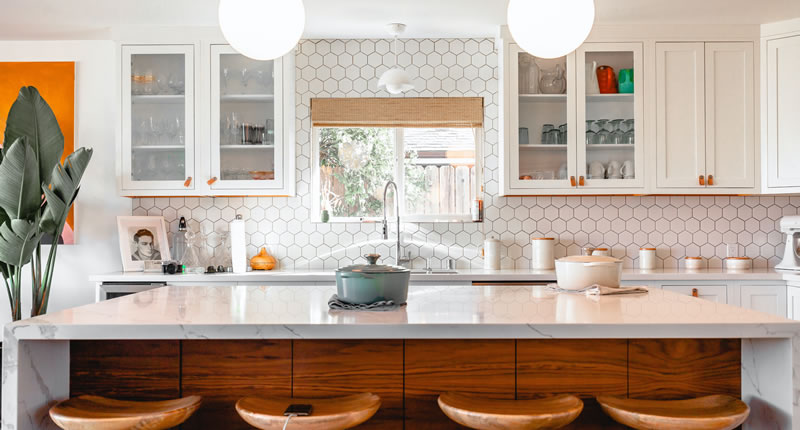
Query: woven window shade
column 416, row 112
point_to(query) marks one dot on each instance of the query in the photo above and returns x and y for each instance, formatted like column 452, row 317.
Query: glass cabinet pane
column 157, row 132
column 543, row 135
column 609, row 122
column 246, row 100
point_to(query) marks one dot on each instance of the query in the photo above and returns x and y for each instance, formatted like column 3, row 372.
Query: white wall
column 98, row 205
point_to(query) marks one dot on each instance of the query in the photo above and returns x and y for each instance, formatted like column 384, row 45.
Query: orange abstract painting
column 56, row 83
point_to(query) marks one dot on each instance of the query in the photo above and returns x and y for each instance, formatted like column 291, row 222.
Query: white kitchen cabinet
column 782, row 114
column 770, row 299
column 793, row 302
column 714, row 293
column 705, row 137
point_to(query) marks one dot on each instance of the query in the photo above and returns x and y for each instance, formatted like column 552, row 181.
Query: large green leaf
column 64, row 187
column 18, row 240
column 20, row 193
column 31, row 116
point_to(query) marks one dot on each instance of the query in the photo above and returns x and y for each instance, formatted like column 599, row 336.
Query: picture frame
column 142, row 238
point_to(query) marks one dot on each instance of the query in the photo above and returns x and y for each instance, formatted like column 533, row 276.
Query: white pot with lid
column 581, row 271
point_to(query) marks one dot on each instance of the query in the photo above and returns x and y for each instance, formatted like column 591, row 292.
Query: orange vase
column 262, row 261
column 606, row 80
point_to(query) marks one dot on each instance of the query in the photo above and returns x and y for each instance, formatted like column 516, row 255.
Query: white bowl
column 738, row 263
column 582, row 271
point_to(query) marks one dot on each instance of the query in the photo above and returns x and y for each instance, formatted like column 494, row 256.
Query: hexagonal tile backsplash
column 678, row 226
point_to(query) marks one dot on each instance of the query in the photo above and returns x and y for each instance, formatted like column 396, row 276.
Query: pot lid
column 372, row 266
column 589, row 259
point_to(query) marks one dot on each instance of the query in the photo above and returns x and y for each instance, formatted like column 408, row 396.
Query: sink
column 435, row 271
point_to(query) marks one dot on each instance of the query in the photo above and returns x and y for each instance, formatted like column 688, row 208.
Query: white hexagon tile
column 677, row 225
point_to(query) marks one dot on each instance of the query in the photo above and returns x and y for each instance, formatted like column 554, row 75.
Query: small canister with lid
column 647, row 258
column 693, row 263
column 542, row 254
column 601, row 251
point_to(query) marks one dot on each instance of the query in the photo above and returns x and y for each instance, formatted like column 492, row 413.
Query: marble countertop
column 463, row 275
column 301, row 311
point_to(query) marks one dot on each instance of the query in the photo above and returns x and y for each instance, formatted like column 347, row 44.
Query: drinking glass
column 602, row 135
column 629, row 136
column 562, row 134
column 616, row 133
column 553, row 136
column 589, row 132
column 245, row 76
column 546, row 133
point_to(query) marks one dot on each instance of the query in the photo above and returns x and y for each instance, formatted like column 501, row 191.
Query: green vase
column 325, row 216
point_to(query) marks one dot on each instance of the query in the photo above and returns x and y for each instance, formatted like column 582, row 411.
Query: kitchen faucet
column 397, row 258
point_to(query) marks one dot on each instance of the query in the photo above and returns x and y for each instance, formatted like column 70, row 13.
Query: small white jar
column 542, row 253
column 693, row 263
column 647, row 258
column 738, row 263
column 601, row 251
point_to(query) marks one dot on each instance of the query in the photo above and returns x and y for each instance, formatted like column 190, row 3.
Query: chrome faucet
column 397, row 259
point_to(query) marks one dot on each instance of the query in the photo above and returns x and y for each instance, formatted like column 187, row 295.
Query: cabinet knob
column 702, row 180
column 188, row 182
column 580, row 181
column 710, row 179
column 572, row 181
column 212, row 180
column 695, row 293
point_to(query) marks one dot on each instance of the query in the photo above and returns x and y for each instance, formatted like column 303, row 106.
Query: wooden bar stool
column 337, row 413
column 100, row 413
column 492, row 414
column 717, row 412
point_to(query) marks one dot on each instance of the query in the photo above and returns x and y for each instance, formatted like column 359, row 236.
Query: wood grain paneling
column 125, row 369
column 582, row 367
column 323, row 368
column 222, row 371
column 681, row 368
column 432, row 367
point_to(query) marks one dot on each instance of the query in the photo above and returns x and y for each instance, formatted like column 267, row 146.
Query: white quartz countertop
column 301, row 312
column 463, row 275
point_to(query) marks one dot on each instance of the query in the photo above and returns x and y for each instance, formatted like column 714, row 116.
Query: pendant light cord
column 395, row 51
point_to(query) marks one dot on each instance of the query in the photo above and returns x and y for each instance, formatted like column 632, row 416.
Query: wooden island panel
column 432, row 367
column 681, row 368
column 328, row 368
column 223, row 371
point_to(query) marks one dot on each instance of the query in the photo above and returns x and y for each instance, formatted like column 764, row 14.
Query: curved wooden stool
column 96, row 413
column 703, row 413
column 328, row 414
column 492, row 414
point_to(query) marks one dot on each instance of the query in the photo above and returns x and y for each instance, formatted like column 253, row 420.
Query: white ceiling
column 43, row 19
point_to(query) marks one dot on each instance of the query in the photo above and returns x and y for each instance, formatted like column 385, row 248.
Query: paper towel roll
column 238, row 245
column 491, row 258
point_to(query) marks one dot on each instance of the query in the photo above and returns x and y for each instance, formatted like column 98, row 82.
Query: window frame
column 399, row 179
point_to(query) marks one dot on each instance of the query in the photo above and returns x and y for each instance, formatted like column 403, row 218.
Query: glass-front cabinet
column 158, row 145
column 574, row 123
column 246, row 110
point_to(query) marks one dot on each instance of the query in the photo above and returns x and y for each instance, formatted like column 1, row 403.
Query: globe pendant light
column 262, row 29
column 550, row 28
column 396, row 80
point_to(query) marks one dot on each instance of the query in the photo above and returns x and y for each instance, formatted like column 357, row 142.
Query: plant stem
column 47, row 279
column 8, row 291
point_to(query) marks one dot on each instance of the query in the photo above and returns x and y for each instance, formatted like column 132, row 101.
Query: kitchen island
column 498, row 341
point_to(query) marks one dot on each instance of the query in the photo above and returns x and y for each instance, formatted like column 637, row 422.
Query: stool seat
column 718, row 412
column 493, row 414
column 329, row 414
column 96, row 413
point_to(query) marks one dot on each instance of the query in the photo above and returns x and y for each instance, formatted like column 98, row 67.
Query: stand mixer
column 791, row 226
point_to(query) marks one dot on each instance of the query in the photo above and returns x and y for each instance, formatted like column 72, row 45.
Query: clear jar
column 647, row 258
column 542, row 253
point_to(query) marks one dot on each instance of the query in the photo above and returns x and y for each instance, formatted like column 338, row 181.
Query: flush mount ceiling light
column 396, row 80
column 550, row 28
column 262, row 29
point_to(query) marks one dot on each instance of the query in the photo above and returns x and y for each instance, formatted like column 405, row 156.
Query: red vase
column 606, row 80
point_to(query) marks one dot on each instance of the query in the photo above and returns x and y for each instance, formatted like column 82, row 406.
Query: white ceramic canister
column 601, row 251
column 738, row 263
column 693, row 263
column 647, row 258
column 491, row 257
column 542, row 256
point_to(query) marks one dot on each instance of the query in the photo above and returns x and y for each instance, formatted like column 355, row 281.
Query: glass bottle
column 179, row 241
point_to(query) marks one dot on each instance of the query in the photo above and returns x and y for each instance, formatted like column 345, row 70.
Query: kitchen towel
column 381, row 306
column 601, row 290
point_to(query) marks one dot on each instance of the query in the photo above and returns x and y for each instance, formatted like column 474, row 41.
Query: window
column 433, row 157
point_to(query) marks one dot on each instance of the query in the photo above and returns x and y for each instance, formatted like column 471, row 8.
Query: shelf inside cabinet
column 158, row 99
column 608, row 146
column 542, row 98
column 245, row 147
column 159, row 147
column 618, row 97
column 247, row 98
column 544, row 147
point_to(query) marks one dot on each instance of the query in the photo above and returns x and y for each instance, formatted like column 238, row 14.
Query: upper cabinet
column 573, row 124
column 705, row 126
column 781, row 67
column 221, row 126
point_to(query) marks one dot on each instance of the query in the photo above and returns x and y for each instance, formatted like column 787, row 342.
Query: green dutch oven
column 370, row 283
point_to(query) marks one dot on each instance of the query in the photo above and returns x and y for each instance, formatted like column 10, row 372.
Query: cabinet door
column 541, row 151
column 793, row 302
column 680, row 122
column 158, row 146
column 730, row 147
column 609, row 124
column 247, row 133
column 714, row 293
column 770, row 299
column 783, row 111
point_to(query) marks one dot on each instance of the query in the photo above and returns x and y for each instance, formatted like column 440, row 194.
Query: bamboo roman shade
column 416, row 112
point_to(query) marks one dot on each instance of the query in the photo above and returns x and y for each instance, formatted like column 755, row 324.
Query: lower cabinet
column 714, row 293
column 793, row 302
column 770, row 299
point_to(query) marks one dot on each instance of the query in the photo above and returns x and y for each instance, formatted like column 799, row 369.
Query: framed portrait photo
column 142, row 238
